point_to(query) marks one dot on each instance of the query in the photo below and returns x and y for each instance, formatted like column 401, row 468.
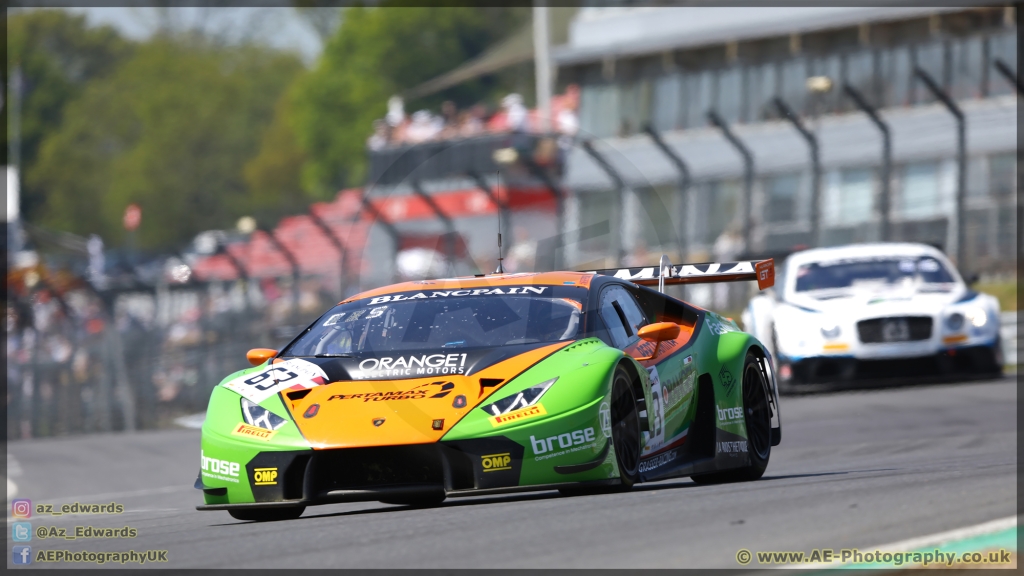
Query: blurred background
column 184, row 184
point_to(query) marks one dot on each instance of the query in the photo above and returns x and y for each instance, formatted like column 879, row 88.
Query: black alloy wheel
column 757, row 417
column 625, row 420
column 756, row 412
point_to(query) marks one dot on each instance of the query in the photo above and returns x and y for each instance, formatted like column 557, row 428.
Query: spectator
column 423, row 127
column 567, row 124
column 450, row 120
column 515, row 112
column 380, row 137
column 473, row 123
column 396, row 111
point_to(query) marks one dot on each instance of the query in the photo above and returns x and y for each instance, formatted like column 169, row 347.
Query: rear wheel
column 267, row 514
column 757, row 416
column 626, row 437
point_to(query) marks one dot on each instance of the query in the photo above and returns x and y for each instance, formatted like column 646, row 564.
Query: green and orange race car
column 415, row 392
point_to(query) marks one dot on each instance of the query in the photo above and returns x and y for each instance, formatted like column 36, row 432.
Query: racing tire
column 626, row 436
column 757, row 417
column 989, row 362
column 267, row 514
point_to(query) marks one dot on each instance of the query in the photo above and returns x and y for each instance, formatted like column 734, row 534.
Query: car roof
column 853, row 251
column 581, row 279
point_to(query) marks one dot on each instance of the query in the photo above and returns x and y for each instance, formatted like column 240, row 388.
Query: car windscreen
column 445, row 320
column 873, row 271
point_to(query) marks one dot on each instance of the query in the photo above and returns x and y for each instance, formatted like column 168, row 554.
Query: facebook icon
column 22, row 554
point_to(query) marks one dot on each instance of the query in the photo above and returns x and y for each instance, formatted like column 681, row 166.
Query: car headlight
column 955, row 321
column 256, row 415
column 977, row 316
column 830, row 330
column 527, row 397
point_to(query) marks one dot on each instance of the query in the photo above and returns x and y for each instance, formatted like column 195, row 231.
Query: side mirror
column 972, row 279
column 658, row 333
column 258, row 356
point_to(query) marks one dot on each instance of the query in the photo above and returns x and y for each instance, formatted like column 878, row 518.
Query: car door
column 623, row 319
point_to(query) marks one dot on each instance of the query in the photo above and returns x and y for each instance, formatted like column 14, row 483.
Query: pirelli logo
column 254, row 432
column 521, row 414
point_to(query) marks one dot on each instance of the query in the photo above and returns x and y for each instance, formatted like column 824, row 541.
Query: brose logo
column 730, row 415
column 496, row 462
column 264, row 476
column 567, row 440
column 219, row 468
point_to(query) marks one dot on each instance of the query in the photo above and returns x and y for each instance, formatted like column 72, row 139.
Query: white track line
column 924, row 541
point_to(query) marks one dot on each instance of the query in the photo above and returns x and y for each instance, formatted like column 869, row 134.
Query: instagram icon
column 21, row 508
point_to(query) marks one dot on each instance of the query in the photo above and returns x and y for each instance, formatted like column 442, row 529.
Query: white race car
column 874, row 311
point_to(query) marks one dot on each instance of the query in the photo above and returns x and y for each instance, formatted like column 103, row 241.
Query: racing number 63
column 257, row 379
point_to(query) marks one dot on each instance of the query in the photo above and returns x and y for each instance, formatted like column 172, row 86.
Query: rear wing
column 763, row 271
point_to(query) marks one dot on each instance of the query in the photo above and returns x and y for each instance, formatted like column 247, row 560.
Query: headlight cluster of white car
column 975, row 315
column 830, row 329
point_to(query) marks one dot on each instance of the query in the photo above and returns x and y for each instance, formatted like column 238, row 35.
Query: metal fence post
column 812, row 144
column 886, row 177
column 961, row 161
column 748, row 176
column 684, row 186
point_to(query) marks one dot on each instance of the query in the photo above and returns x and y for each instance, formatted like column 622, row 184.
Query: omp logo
column 264, row 476
column 255, row 432
column 567, row 440
column 496, row 462
column 729, row 414
column 521, row 414
column 215, row 466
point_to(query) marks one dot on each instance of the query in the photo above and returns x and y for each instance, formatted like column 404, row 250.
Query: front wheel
column 267, row 514
column 625, row 420
column 626, row 437
column 757, row 417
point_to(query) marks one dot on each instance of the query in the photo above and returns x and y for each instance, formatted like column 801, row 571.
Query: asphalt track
column 855, row 469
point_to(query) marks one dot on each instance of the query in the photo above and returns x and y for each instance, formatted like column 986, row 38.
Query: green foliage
column 199, row 133
column 58, row 54
column 1005, row 291
column 274, row 175
column 170, row 129
column 376, row 53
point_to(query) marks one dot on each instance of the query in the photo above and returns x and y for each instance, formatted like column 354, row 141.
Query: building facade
column 666, row 68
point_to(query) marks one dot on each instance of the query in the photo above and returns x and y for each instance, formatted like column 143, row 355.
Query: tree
column 378, row 52
column 171, row 130
column 58, row 54
column 274, row 175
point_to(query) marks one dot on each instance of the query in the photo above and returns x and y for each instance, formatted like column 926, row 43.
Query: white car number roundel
column 294, row 374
